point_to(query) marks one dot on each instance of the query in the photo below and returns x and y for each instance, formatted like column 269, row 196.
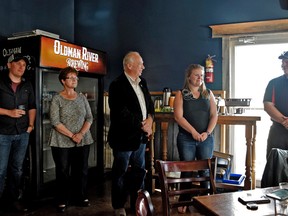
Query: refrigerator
column 47, row 56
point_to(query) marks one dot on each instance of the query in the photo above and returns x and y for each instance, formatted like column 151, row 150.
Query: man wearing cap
column 276, row 105
column 17, row 115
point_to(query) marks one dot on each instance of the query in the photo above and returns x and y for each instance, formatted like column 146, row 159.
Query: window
column 252, row 62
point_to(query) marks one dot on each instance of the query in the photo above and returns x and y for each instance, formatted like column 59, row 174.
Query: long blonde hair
column 202, row 89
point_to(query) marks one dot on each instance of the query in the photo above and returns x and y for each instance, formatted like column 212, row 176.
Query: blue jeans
column 190, row 149
column 123, row 182
column 12, row 153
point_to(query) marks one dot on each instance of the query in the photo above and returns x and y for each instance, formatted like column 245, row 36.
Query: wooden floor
column 99, row 195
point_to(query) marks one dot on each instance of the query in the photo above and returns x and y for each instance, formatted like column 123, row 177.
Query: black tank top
column 196, row 112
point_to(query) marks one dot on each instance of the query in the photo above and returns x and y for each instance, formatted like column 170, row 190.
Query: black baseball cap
column 284, row 55
column 17, row 57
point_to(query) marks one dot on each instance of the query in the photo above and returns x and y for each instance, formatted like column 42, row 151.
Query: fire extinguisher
column 209, row 71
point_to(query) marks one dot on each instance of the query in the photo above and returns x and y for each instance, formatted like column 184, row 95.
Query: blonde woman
column 195, row 112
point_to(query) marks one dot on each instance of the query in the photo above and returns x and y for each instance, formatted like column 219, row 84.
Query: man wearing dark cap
column 17, row 116
column 276, row 105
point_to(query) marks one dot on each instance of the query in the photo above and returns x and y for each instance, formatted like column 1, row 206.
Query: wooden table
column 227, row 204
column 250, row 135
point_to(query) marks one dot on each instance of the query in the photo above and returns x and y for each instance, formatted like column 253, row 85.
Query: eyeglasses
column 72, row 78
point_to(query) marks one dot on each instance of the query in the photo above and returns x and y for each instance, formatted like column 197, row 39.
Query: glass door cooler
column 47, row 56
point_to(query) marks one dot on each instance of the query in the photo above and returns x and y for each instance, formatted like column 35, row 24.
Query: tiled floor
column 99, row 195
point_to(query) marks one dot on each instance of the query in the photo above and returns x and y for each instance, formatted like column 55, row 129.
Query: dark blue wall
column 56, row 16
column 169, row 34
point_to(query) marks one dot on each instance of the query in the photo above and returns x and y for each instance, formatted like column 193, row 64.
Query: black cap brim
column 283, row 57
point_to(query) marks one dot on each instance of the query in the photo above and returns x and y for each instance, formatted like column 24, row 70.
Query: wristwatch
column 31, row 127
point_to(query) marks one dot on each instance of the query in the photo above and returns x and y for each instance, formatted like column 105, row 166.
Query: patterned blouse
column 73, row 114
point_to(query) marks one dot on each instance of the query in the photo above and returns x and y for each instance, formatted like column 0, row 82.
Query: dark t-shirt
column 277, row 93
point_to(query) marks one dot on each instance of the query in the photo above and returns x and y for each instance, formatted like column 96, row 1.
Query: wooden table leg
column 152, row 155
column 248, row 135
column 164, row 130
column 254, row 157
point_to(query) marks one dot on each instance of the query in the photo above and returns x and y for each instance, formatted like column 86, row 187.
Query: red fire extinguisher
column 209, row 69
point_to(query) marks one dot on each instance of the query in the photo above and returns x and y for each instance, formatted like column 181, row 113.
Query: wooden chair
column 144, row 206
column 170, row 185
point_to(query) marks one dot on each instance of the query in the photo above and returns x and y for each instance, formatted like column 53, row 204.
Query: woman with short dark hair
column 70, row 140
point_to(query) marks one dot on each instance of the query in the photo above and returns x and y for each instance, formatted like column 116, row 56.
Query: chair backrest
column 144, row 206
column 276, row 168
column 223, row 171
column 224, row 165
column 170, row 184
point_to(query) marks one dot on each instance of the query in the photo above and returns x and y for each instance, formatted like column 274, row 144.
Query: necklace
column 187, row 95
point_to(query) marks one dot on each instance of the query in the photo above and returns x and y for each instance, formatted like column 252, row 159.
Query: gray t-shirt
column 73, row 114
